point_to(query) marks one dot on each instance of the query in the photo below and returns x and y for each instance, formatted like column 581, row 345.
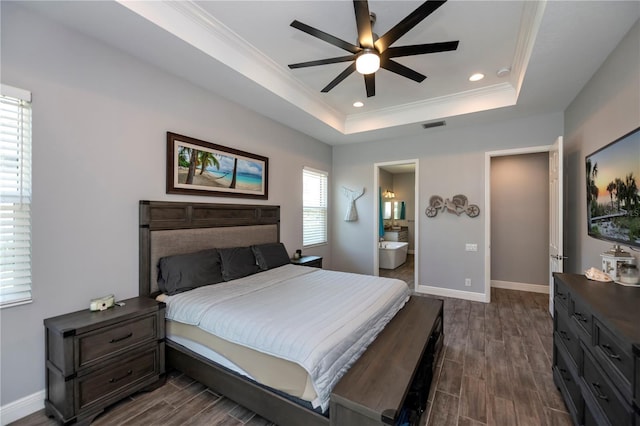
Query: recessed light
column 476, row 77
column 358, row 104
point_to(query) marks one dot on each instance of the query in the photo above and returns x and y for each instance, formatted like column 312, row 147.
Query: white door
column 556, row 255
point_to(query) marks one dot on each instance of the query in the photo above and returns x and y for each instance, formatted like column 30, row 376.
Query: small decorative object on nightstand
column 94, row 359
column 313, row 261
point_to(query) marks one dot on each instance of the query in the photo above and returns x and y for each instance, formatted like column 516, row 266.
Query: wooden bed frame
column 164, row 226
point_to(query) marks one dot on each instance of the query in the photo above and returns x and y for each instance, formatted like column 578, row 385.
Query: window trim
column 324, row 174
column 24, row 189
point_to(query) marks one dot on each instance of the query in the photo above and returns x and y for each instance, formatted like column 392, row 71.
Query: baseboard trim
column 456, row 294
column 22, row 407
column 533, row 288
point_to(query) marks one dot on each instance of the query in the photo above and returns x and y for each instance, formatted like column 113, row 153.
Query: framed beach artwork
column 202, row 168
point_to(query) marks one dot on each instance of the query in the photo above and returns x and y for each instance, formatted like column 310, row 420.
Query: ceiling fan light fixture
column 368, row 62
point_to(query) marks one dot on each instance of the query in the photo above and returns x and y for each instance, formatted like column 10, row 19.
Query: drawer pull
column 562, row 373
column 120, row 339
column 117, row 379
column 580, row 317
column 610, row 352
column 596, row 387
column 564, row 335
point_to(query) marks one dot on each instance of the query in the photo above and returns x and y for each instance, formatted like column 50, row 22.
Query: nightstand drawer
column 110, row 340
column 112, row 379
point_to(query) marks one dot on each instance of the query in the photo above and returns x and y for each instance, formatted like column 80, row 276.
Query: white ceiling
column 240, row 50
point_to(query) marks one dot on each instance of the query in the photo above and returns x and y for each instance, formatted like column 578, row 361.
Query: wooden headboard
column 168, row 228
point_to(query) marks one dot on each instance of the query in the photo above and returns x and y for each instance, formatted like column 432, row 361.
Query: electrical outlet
column 470, row 247
column 467, row 282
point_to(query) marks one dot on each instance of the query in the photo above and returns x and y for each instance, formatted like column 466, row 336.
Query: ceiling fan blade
column 323, row 61
column 420, row 49
column 400, row 69
column 344, row 74
column 326, row 37
column 370, row 84
column 410, row 21
column 363, row 23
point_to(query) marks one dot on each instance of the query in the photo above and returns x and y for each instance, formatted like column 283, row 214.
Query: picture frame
column 196, row 167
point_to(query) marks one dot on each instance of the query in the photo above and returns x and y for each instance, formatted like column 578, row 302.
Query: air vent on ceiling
column 434, row 124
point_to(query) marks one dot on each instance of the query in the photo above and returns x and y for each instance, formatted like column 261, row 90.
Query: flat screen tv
column 613, row 200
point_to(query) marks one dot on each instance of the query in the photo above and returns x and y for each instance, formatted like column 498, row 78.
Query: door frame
column 376, row 209
column 487, row 204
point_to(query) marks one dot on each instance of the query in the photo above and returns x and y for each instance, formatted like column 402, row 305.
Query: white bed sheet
column 322, row 320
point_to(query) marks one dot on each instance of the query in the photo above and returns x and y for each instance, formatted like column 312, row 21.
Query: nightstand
column 94, row 359
column 313, row 261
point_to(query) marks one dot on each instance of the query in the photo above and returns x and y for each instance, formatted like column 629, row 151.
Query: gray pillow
column 237, row 262
column 271, row 255
column 184, row 272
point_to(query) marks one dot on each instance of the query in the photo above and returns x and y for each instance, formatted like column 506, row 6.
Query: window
column 314, row 207
column 15, row 196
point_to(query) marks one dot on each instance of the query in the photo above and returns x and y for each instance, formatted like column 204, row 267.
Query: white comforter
column 322, row 320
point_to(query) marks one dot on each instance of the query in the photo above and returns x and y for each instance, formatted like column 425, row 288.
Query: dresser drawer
column 110, row 340
column 560, row 294
column 616, row 358
column 565, row 334
column 115, row 377
column 566, row 379
column 581, row 314
column 601, row 390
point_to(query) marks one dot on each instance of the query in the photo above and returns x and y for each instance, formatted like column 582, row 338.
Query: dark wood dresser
column 94, row 359
column 595, row 350
column 391, row 380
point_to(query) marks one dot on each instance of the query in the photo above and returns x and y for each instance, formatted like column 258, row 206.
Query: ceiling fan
column 372, row 52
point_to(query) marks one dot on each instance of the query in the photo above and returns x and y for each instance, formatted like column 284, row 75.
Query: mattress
column 269, row 370
column 317, row 319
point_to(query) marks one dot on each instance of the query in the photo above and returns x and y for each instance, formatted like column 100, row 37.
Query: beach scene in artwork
column 210, row 169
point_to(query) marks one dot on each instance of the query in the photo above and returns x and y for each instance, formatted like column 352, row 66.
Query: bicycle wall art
column 457, row 205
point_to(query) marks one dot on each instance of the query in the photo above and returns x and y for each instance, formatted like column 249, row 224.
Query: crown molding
column 529, row 25
column 195, row 26
column 481, row 99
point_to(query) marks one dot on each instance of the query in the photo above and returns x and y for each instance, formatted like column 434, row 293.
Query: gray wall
column 451, row 161
column 606, row 108
column 100, row 121
column 520, row 218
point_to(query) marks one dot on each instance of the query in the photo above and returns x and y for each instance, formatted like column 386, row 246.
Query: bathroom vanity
column 397, row 235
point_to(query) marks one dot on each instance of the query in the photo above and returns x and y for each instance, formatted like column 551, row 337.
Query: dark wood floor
column 495, row 370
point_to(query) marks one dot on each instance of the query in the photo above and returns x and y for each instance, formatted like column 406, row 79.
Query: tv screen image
column 613, row 200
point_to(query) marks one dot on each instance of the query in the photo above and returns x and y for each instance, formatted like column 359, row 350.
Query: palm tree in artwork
column 621, row 190
column 235, row 173
column 206, row 159
column 631, row 193
column 611, row 188
column 592, row 188
column 193, row 159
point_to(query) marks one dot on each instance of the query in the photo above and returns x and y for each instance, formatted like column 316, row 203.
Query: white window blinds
column 314, row 207
column 15, row 196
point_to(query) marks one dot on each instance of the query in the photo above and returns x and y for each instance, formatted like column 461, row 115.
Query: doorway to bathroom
column 397, row 227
